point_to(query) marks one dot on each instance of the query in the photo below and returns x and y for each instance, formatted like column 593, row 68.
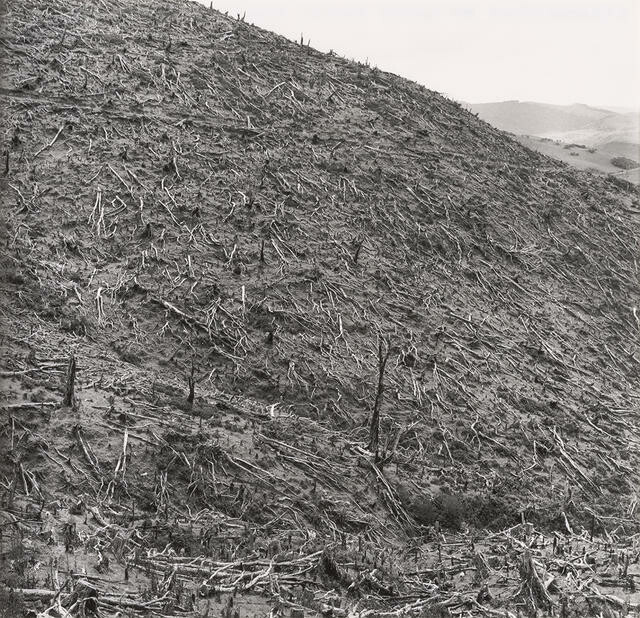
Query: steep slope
column 190, row 200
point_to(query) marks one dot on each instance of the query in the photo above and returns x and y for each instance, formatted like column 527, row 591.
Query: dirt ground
column 211, row 238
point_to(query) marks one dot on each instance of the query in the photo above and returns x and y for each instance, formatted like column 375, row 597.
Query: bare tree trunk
column 374, row 427
column 192, row 385
column 71, row 378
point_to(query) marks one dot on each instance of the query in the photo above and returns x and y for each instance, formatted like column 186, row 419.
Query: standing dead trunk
column 374, row 427
column 532, row 589
column 192, row 385
column 71, row 379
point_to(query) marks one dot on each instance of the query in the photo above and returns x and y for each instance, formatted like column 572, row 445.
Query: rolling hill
column 283, row 334
column 569, row 123
column 554, row 129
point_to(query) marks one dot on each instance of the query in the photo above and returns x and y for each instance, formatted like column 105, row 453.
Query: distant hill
column 588, row 158
column 595, row 126
column 611, row 133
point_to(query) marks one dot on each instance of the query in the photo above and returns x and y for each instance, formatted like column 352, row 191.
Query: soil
column 194, row 206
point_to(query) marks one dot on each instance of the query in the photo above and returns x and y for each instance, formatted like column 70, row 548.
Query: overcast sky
column 553, row 51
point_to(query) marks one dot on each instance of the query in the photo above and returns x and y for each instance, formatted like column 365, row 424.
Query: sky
column 551, row 51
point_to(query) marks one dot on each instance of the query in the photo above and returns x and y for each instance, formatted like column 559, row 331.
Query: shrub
column 492, row 511
column 443, row 508
column 624, row 163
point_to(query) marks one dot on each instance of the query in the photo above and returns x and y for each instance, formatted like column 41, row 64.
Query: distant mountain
column 576, row 123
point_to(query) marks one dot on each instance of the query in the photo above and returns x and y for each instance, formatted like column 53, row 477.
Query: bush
column 492, row 511
column 624, row 163
column 444, row 508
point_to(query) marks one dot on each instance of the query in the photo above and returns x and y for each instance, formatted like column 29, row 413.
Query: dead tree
column 374, row 426
column 532, row 589
column 71, row 378
column 192, row 384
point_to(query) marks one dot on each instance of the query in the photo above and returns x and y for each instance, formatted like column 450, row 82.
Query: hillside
column 598, row 160
column 587, row 125
column 223, row 254
column 559, row 131
column 529, row 118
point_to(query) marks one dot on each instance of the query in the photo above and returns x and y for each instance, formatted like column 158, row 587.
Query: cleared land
column 222, row 252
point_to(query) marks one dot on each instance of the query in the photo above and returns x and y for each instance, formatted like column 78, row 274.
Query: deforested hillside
column 224, row 255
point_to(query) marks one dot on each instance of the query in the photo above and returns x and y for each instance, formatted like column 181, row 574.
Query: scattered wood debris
column 242, row 244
